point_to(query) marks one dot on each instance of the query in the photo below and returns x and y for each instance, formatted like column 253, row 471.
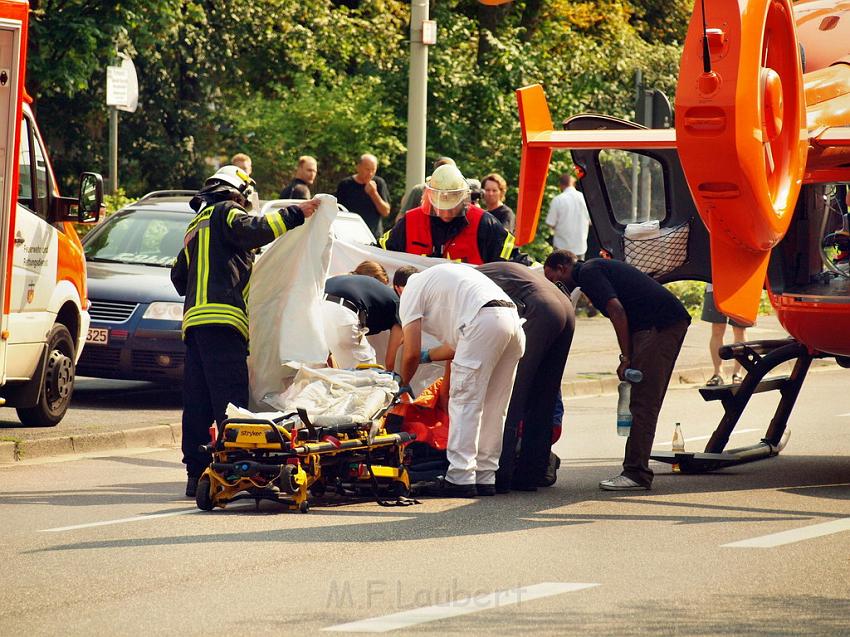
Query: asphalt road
column 98, row 404
column 106, row 545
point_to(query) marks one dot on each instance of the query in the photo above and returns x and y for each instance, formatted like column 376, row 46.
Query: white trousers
column 482, row 377
column 345, row 337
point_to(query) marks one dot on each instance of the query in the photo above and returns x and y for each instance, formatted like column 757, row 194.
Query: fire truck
column 42, row 266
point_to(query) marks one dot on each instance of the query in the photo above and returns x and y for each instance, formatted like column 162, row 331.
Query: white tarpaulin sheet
column 287, row 284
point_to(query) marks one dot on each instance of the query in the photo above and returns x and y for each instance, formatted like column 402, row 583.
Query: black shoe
column 502, row 488
column 485, row 489
column 191, row 486
column 445, row 489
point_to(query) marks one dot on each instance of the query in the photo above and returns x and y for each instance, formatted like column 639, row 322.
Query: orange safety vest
column 463, row 247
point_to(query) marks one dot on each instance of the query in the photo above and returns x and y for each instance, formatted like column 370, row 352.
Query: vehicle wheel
column 58, row 384
column 203, row 496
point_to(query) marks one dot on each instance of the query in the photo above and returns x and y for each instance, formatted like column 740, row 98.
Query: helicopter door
column 640, row 206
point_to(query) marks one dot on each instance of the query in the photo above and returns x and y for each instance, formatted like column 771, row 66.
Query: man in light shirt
column 569, row 219
column 480, row 331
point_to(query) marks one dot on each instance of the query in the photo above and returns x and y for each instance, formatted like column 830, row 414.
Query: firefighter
column 448, row 225
column 212, row 272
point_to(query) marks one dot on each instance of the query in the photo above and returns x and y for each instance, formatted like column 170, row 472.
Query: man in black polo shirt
column 357, row 305
column 366, row 194
column 650, row 323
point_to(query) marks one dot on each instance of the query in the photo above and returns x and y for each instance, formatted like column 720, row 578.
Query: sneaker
column 485, row 489
column 191, row 486
column 445, row 489
column 621, row 483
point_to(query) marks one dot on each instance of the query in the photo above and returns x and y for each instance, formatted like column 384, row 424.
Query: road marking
column 734, row 433
column 455, row 608
column 794, row 535
column 138, row 518
column 847, row 414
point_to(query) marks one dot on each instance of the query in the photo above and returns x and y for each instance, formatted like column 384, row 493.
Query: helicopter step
column 758, row 358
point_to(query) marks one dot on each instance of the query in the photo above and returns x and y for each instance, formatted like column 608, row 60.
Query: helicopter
column 748, row 191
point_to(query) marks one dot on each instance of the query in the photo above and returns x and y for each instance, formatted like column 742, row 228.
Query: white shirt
column 570, row 220
column 446, row 297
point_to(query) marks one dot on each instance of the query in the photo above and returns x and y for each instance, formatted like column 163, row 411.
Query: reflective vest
column 463, row 247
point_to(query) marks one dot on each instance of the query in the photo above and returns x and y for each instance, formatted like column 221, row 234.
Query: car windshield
column 142, row 236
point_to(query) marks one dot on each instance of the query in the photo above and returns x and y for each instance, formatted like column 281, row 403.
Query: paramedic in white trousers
column 480, row 330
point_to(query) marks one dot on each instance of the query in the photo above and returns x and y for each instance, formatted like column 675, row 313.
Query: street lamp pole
column 417, row 96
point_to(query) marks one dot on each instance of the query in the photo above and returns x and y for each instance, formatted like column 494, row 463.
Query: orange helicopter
column 748, row 191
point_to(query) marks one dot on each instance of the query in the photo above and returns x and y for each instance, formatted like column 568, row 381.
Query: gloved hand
column 424, row 356
column 407, row 389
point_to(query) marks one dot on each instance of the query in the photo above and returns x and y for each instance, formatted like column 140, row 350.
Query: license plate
column 97, row 336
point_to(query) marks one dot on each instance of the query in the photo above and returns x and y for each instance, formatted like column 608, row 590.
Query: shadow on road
column 816, row 476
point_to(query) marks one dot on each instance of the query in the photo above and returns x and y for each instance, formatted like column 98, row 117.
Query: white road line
column 138, row 518
column 458, row 607
column 847, row 414
column 794, row 535
column 696, row 438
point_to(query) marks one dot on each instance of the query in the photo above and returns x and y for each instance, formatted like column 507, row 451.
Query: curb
column 170, row 435
column 143, row 437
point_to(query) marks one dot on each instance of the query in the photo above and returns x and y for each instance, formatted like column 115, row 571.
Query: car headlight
column 162, row 311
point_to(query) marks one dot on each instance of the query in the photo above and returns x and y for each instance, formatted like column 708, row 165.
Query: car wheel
column 58, row 384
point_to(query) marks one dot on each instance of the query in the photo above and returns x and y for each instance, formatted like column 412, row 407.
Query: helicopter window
column 635, row 186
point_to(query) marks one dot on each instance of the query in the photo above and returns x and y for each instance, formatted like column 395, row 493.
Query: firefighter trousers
column 215, row 373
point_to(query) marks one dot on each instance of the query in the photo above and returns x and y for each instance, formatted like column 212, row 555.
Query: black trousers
column 549, row 327
column 215, row 373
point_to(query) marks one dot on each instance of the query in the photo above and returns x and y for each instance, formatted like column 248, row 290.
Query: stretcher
column 294, row 459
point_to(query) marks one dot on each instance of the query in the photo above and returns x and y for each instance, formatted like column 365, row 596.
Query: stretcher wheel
column 203, row 495
column 304, row 507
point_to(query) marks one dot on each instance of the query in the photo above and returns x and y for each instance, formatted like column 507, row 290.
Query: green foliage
column 277, row 79
column 690, row 293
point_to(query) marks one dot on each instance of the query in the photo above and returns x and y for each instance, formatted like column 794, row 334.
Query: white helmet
column 234, row 177
column 447, row 188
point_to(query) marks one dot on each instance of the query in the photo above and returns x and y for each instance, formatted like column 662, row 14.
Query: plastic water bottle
column 624, row 389
column 678, row 440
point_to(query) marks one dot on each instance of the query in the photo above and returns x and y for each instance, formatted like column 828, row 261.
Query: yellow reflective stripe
column 384, row 238
column 245, row 295
column 278, row 227
column 508, row 247
column 230, row 215
column 215, row 320
column 205, row 214
column 203, row 277
column 216, row 313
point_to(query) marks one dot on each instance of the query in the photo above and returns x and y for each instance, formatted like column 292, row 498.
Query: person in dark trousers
column 366, row 194
column 549, row 326
column 212, row 272
column 356, row 306
column 651, row 324
column 449, row 225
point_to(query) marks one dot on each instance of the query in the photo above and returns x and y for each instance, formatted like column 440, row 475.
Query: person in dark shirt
column 356, row 306
column 549, row 326
column 651, row 324
column 444, row 225
column 305, row 175
column 366, row 194
column 494, row 188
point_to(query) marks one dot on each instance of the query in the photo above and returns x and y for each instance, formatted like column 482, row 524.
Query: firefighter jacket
column 213, row 269
column 476, row 237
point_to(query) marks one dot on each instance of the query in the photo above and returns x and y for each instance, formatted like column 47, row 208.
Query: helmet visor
column 446, row 199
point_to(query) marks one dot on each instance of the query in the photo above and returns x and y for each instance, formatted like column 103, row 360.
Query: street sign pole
column 417, row 96
column 113, row 150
